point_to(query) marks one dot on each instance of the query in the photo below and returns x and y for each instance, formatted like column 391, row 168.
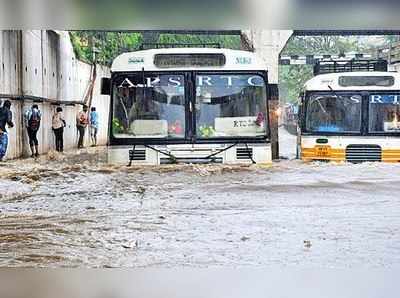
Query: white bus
column 351, row 116
column 188, row 105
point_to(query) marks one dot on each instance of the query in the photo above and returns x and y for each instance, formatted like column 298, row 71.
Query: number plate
column 322, row 151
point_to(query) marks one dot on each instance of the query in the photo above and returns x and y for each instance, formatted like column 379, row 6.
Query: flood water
column 77, row 211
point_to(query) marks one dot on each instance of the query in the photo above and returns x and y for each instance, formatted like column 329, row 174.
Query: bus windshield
column 384, row 113
column 230, row 106
column 149, row 106
column 158, row 105
column 333, row 113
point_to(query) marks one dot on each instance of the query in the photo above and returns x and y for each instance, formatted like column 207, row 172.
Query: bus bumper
column 350, row 149
column 170, row 154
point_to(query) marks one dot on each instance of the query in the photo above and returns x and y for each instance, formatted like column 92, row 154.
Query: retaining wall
column 41, row 65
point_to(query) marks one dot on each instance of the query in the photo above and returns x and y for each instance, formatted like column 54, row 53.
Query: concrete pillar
column 268, row 44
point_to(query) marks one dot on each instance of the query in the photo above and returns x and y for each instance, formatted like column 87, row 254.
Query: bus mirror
column 105, row 86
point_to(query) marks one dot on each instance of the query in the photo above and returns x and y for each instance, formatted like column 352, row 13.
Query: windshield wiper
column 337, row 95
column 334, row 93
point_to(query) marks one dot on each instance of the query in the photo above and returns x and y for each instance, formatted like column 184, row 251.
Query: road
column 77, row 211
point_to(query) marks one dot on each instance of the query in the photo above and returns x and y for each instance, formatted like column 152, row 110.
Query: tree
column 225, row 41
column 107, row 44
column 291, row 80
column 293, row 77
column 111, row 44
column 330, row 45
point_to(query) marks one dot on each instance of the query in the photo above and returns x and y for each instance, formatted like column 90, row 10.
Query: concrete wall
column 10, row 63
column 42, row 64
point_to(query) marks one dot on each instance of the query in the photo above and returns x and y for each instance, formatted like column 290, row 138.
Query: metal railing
column 334, row 66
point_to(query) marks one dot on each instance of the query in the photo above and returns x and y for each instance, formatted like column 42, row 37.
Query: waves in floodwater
column 76, row 211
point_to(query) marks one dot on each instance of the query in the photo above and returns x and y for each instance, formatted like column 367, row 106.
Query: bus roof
column 343, row 81
column 234, row 60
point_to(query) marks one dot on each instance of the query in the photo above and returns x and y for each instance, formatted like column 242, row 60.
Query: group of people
column 32, row 122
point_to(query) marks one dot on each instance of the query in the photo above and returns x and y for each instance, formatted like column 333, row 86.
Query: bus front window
column 149, row 106
column 384, row 113
column 230, row 106
column 331, row 113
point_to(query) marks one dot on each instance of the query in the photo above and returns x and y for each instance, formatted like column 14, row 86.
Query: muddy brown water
column 77, row 211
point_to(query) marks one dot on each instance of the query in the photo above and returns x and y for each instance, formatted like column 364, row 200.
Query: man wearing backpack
column 33, row 117
column 5, row 119
column 81, row 124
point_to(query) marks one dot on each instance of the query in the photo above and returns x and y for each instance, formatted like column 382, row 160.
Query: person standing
column 58, row 123
column 81, row 124
column 5, row 119
column 94, row 125
column 33, row 117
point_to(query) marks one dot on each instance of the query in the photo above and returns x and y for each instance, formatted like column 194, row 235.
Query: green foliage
column 308, row 45
column 392, row 38
column 81, row 50
column 291, row 81
column 226, row 41
column 293, row 77
column 107, row 45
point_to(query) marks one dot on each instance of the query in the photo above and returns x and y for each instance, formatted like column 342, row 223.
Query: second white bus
column 352, row 116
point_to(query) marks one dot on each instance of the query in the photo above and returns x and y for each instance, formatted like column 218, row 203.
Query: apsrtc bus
column 188, row 105
column 351, row 116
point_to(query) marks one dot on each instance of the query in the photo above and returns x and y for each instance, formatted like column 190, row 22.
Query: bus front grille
column 137, row 154
column 363, row 153
column 244, row 153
